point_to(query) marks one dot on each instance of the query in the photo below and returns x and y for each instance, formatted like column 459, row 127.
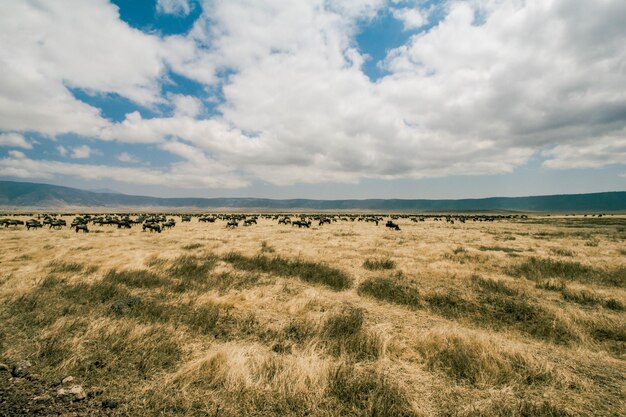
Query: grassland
column 506, row 318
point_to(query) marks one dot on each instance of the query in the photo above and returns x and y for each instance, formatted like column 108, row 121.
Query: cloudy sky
column 315, row 98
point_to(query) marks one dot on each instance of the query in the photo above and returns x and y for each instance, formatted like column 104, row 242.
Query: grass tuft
column 551, row 284
column 378, row 264
column 492, row 286
column 267, row 248
column 366, row 392
column 609, row 331
column 499, row 310
column 192, row 246
column 312, row 272
column 561, row 252
column 498, row 249
column 583, row 297
column 126, row 351
column 537, row 269
column 135, row 278
column 62, row 267
column 469, row 359
column 345, row 334
column 392, row 290
column 299, row 331
column 191, row 267
column 346, row 323
column 499, row 406
column 613, row 304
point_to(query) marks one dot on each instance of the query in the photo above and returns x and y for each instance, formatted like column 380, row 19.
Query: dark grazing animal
column 153, row 227
column 232, row 224
column 57, row 223
column 33, row 224
column 81, row 226
column 12, row 222
column 392, row 225
column 301, row 223
column 169, row 224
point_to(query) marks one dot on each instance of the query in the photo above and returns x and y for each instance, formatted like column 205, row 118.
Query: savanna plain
column 513, row 317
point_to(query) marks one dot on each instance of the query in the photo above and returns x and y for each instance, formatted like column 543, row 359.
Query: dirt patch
column 31, row 396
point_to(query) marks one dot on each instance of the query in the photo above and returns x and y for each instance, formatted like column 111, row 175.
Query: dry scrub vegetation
column 510, row 318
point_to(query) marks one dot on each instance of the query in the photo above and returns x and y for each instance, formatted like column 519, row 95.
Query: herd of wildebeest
column 160, row 222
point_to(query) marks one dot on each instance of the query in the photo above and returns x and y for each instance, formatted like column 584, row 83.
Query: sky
column 324, row 99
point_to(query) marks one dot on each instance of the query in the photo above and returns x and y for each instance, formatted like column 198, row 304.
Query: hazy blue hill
column 25, row 194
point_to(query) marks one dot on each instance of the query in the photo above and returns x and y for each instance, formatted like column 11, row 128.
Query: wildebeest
column 324, row 220
column 124, row 224
column 248, row 222
column 33, row 224
column 153, row 227
column 11, row 222
column 81, row 226
column 169, row 224
column 392, row 225
column 301, row 223
column 232, row 224
column 57, row 223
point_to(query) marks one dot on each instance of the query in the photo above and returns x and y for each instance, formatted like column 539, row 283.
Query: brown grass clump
column 307, row 271
column 378, row 264
column 551, row 284
column 62, row 267
column 492, row 286
column 393, row 290
column 498, row 249
column 138, row 278
column 192, row 246
column 498, row 306
column 345, row 335
column 537, row 268
column 472, row 360
column 191, row 267
column 367, row 392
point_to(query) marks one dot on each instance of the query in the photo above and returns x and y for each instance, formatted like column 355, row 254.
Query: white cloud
column 17, row 155
column 595, row 153
column 45, row 45
column 14, row 140
column 176, row 7
column 81, row 152
column 186, row 106
column 126, row 157
column 410, row 18
column 62, row 150
column 18, row 165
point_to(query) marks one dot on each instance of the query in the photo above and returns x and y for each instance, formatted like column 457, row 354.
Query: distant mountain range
column 19, row 195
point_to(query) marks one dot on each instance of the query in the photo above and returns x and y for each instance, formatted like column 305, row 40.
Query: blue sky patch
column 112, row 106
column 384, row 33
column 143, row 15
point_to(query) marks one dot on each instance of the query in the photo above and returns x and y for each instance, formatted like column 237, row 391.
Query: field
column 519, row 317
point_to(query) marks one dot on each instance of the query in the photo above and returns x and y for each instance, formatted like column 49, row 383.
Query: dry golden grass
column 506, row 318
